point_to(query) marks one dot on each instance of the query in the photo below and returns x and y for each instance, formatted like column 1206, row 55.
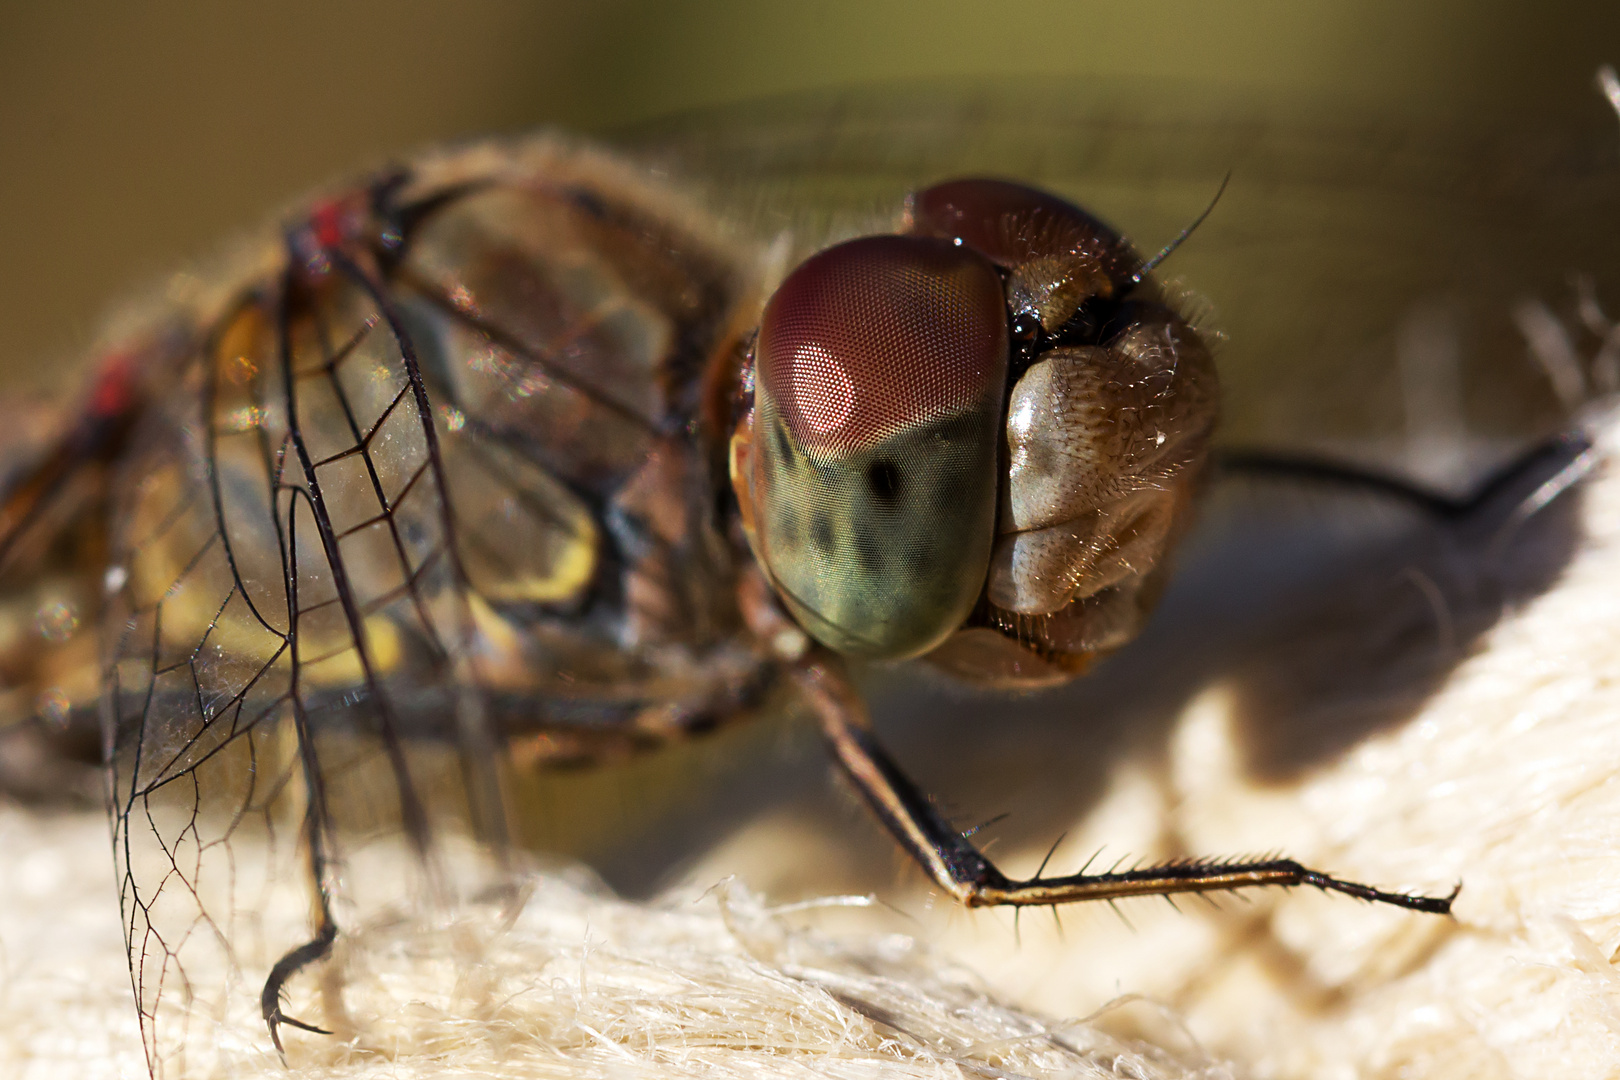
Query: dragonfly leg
column 963, row 871
column 288, row 966
column 1518, row 489
column 319, row 945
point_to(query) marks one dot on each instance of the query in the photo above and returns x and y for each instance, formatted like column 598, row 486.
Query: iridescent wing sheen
column 361, row 542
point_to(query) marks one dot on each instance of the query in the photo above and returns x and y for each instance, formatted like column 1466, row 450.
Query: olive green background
column 135, row 135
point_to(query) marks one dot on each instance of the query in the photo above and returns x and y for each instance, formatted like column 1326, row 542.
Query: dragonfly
column 533, row 453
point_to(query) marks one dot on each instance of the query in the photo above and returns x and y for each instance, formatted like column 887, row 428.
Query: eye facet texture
column 880, row 369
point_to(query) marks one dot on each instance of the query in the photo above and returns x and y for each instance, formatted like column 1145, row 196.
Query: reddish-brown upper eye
column 880, row 334
column 871, row 460
column 1012, row 225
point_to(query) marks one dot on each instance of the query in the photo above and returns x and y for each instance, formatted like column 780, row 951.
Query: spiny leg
column 962, row 870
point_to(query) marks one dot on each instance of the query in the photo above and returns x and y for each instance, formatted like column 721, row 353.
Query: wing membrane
column 288, row 565
column 363, row 540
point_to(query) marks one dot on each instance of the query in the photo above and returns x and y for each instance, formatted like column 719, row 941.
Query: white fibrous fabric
column 1495, row 768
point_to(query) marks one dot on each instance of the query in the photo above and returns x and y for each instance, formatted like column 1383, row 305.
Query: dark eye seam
column 884, row 479
column 784, row 450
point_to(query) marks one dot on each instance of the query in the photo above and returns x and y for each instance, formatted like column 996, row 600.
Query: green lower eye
column 880, row 370
column 881, row 553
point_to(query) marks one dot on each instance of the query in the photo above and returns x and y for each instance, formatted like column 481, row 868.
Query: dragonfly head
column 975, row 439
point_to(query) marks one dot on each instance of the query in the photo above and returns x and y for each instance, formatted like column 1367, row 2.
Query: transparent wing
column 354, row 552
column 282, row 546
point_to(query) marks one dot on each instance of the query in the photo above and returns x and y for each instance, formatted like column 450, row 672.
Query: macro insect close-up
column 1163, row 479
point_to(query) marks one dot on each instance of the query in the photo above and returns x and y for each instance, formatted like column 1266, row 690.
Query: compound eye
column 881, row 368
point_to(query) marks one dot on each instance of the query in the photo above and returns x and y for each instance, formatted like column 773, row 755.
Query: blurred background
column 1404, row 174
column 134, row 136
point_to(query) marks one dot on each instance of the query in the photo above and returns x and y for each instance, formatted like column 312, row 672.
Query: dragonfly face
column 907, row 486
